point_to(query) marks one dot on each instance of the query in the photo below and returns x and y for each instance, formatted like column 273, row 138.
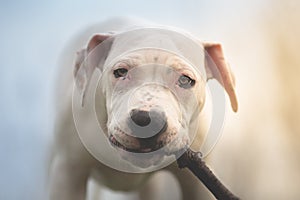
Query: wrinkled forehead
column 157, row 45
column 146, row 57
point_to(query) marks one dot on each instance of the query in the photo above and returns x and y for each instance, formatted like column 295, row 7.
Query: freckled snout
column 147, row 124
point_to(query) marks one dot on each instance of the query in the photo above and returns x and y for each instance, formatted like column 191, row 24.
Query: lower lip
column 118, row 145
column 147, row 159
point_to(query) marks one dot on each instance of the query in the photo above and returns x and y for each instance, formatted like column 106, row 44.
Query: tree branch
column 193, row 161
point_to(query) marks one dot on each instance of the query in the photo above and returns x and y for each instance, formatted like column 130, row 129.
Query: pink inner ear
column 88, row 59
column 223, row 73
column 96, row 40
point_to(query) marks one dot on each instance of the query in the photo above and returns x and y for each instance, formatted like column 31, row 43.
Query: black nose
column 140, row 117
column 144, row 124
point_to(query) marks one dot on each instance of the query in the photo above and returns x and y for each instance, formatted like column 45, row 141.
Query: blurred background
column 258, row 153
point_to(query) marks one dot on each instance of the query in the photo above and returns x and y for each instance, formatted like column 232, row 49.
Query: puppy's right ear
column 88, row 59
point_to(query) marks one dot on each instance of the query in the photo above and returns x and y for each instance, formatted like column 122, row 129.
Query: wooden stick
column 193, row 161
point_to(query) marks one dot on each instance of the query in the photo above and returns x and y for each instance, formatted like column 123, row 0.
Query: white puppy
column 149, row 102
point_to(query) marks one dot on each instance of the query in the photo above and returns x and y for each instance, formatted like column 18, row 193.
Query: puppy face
column 151, row 99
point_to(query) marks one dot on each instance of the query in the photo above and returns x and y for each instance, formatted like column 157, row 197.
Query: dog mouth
column 143, row 156
column 146, row 152
column 143, row 148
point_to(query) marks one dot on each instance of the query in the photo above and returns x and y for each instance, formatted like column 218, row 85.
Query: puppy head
column 151, row 96
column 151, row 100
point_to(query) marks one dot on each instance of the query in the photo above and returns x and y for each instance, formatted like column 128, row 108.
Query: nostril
column 140, row 117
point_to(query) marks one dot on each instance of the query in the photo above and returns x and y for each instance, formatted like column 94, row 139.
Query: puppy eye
column 185, row 82
column 122, row 72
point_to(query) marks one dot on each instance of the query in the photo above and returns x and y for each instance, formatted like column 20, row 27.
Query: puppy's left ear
column 217, row 67
column 88, row 59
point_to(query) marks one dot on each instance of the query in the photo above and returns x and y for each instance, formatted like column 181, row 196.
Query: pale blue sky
column 32, row 35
